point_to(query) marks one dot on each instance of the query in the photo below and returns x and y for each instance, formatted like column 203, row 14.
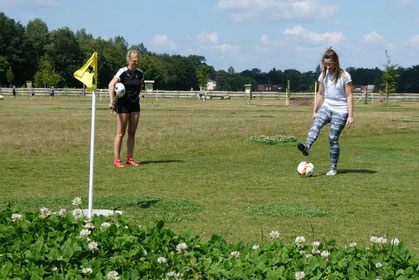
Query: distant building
column 211, row 84
column 269, row 87
column 367, row 88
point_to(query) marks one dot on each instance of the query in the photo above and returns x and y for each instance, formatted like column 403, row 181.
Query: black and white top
column 132, row 82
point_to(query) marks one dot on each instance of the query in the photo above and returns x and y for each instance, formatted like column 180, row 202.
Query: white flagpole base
column 100, row 212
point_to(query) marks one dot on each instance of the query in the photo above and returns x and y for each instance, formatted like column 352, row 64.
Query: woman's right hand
column 314, row 115
column 112, row 106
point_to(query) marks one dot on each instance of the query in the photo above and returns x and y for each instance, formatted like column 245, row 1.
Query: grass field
column 199, row 171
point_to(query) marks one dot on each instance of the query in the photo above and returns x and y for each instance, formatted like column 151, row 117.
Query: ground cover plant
column 65, row 245
column 196, row 160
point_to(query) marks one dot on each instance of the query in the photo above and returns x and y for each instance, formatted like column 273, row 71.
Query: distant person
column 14, row 91
column 51, row 93
column 335, row 89
column 127, row 107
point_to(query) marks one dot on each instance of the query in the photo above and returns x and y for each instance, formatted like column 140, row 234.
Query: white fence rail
column 208, row 95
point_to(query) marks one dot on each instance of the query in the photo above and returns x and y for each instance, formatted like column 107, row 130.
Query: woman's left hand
column 350, row 121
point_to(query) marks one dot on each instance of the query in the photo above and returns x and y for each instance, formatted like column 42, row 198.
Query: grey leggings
column 337, row 124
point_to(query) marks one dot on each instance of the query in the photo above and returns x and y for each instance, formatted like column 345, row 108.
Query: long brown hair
column 336, row 72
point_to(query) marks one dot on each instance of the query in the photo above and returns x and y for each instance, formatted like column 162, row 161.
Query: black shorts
column 126, row 107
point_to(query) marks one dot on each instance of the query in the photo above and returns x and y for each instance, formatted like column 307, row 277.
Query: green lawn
column 199, row 171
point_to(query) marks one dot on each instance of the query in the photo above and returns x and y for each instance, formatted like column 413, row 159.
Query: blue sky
column 245, row 34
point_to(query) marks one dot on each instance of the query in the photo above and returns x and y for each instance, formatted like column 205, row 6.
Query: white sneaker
column 331, row 173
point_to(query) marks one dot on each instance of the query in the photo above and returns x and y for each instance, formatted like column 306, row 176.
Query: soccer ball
column 119, row 90
column 305, row 169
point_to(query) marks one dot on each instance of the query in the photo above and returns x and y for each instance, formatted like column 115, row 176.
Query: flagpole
column 92, row 155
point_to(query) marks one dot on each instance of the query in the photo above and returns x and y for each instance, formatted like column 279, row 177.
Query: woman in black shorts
column 127, row 107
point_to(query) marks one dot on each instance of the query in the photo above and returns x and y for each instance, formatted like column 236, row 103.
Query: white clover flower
column 316, row 244
column 62, row 212
column 373, row 239
column 59, row 258
column 395, row 241
column 256, row 246
column 274, row 235
column 179, row 276
column 87, row 270
column 45, row 212
column 300, row 239
column 315, row 251
column 161, row 260
column 16, row 217
column 77, row 201
column 139, row 226
column 325, row 254
column 302, row 252
column 78, row 214
column 235, row 254
column 54, row 268
column 84, row 233
column 171, row 274
column 181, row 248
column 309, row 256
column 93, row 246
column 299, row 275
column 381, row 240
column 353, row 244
column 378, row 265
column 105, row 225
column 112, row 275
column 89, row 225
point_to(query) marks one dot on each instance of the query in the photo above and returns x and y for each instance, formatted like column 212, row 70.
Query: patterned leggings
column 337, row 124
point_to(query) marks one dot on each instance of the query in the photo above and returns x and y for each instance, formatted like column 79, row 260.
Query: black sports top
column 132, row 82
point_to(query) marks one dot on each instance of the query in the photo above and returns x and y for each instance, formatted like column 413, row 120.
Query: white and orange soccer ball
column 119, row 90
column 305, row 169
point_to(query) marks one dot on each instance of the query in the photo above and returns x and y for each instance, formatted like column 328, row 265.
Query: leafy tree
column 408, row 80
column 10, row 76
column 4, row 66
column 46, row 75
column 37, row 32
column 390, row 76
column 153, row 70
column 65, row 54
column 16, row 50
column 202, row 74
column 141, row 48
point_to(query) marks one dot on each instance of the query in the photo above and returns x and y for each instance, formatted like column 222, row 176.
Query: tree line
column 49, row 58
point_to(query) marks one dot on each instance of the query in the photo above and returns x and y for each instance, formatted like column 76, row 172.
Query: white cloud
column 305, row 36
column 161, row 42
column 414, row 41
column 373, row 38
column 241, row 10
column 207, row 38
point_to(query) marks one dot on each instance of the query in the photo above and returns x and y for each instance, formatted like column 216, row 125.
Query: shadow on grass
column 363, row 171
column 161, row 161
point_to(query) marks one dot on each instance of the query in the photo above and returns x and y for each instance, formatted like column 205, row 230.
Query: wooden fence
column 225, row 95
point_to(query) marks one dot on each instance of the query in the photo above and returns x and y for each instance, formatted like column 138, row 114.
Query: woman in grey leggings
column 335, row 89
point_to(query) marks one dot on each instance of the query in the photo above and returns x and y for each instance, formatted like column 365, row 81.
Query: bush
column 63, row 245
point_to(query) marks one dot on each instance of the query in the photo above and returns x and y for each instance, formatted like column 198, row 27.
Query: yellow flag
column 88, row 73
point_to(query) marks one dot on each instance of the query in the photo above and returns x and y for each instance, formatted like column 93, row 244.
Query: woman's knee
column 120, row 134
column 131, row 132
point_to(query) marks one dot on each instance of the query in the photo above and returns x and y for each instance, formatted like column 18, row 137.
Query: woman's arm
column 319, row 100
column 348, row 91
column 111, row 88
